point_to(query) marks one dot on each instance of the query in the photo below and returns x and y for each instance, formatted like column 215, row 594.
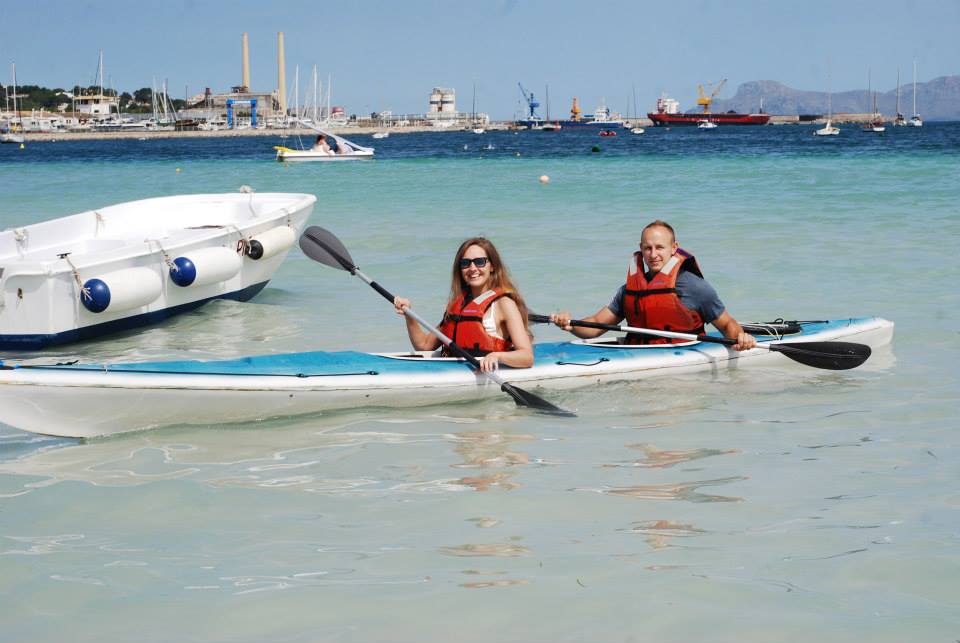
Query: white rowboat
column 136, row 263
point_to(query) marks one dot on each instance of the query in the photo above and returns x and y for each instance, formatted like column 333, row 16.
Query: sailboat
column 474, row 127
column 636, row 129
column 899, row 120
column 915, row 120
column 828, row 129
column 547, row 126
column 15, row 133
column 876, row 124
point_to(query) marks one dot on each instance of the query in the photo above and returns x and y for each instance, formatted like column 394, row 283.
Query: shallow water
column 765, row 504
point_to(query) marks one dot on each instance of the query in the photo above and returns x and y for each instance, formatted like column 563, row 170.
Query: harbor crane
column 532, row 103
column 703, row 100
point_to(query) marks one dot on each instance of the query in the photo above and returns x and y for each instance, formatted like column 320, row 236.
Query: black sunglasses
column 479, row 262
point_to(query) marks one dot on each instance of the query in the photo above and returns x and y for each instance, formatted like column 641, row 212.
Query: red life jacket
column 463, row 323
column 654, row 304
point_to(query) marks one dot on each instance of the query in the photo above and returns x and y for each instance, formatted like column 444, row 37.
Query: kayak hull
column 95, row 400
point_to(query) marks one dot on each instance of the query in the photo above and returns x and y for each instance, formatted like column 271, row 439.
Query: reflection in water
column 503, row 582
column 489, row 450
column 659, row 458
column 659, row 533
column 220, row 329
column 295, row 452
column 686, row 491
column 489, row 549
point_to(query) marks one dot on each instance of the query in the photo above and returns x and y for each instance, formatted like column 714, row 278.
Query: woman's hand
column 400, row 303
column 562, row 319
column 490, row 362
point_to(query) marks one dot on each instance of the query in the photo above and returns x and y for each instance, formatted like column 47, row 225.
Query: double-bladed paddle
column 323, row 246
column 834, row 356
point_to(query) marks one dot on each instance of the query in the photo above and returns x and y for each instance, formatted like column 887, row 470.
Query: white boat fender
column 267, row 244
column 121, row 290
column 205, row 266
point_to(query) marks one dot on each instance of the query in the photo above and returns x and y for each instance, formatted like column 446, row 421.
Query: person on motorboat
column 664, row 290
column 321, row 144
column 485, row 315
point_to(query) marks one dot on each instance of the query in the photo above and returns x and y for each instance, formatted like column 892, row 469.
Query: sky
column 389, row 55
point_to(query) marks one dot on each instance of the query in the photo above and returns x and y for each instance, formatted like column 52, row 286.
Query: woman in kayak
column 485, row 316
column 664, row 290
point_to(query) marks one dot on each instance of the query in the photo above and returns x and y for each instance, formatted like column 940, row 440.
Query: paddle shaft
column 409, row 312
column 544, row 319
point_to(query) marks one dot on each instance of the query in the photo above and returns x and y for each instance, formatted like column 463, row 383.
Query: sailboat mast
column 914, row 87
column 15, row 111
column 898, row 92
column 296, row 90
column 315, row 121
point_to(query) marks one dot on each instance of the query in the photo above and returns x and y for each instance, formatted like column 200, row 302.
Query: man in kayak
column 664, row 290
column 485, row 316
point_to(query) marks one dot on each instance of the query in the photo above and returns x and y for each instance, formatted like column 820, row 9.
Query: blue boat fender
column 120, row 290
column 95, row 295
column 205, row 266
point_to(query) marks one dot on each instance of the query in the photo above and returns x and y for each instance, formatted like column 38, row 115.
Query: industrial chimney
column 246, row 64
column 281, row 74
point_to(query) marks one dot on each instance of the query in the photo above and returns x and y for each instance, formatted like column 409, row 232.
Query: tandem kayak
column 88, row 400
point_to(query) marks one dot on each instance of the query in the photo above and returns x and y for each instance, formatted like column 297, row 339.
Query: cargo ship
column 668, row 114
column 601, row 118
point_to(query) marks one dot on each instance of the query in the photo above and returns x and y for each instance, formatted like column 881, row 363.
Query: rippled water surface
column 780, row 503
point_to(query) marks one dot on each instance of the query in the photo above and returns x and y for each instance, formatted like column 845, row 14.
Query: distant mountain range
column 938, row 99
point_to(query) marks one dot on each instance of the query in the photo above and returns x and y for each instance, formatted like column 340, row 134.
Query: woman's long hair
column 499, row 278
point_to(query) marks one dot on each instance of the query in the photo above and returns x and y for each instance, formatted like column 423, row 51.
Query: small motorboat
column 88, row 400
column 344, row 150
column 705, row 124
column 379, row 135
column 133, row 264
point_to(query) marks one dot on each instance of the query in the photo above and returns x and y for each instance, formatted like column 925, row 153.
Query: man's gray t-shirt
column 694, row 293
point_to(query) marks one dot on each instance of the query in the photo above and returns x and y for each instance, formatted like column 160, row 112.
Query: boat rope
column 166, row 257
column 99, row 221
column 243, row 244
column 84, row 292
column 599, row 361
column 246, row 189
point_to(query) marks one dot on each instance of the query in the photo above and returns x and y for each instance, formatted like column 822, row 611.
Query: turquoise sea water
column 774, row 504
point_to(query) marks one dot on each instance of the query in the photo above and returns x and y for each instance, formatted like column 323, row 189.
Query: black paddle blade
column 526, row 398
column 833, row 356
column 322, row 245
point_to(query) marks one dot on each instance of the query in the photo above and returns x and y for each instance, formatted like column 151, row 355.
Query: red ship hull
column 661, row 119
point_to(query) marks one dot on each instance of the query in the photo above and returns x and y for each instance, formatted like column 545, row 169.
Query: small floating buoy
column 595, row 148
column 518, row 153
column 178, row 170
column 22, row 146
column 544, row 178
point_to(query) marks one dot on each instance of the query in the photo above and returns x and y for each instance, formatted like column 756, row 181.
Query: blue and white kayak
column 87, row 400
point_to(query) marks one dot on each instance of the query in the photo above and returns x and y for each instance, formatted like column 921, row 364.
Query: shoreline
column 364, row 131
